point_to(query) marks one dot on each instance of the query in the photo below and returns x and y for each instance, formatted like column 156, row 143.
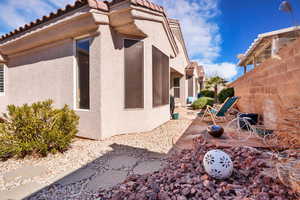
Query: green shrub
column 202, row 102
column 36, row 129
column 225, row 93
column 206, row 93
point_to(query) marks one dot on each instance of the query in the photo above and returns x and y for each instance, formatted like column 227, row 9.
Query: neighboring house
column 185, row 82
column 267, row 45
column 110, row 61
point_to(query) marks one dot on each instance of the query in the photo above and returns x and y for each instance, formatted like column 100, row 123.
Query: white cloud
column 201, row 33
column 196, row 16
column 15, row 13
column 225, row 70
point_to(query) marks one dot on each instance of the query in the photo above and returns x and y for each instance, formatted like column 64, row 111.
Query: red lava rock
column 181, row 198
column 204, row 177
column 193, row 191
column 186, row 191
column 206, row 183
column 163, row 196
column 184, row 178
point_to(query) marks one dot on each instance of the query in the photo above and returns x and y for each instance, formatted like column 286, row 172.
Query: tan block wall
column 272, row 87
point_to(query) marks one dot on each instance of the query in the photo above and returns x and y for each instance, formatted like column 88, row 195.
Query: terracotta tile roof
column 150, row 5
column 189, row 70
column 194, row 66
column 96, row 4
column 200, row 71
column 68, row 8
column 142, row 3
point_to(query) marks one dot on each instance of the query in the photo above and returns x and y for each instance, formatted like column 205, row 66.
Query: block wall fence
column 273, row 87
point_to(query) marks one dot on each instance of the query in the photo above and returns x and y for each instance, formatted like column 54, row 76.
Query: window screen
column 191, row 87
column 83, row 74
column 160, row 77
column 134, row 73
column 176, row 86
column 1, row 78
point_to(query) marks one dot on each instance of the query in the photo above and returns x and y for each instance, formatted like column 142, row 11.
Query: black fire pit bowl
column 215, row 130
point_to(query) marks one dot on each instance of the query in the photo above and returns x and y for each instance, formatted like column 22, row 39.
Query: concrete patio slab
column 107, row 180
column 122, row 161
column 148, row 167
column 78, row 175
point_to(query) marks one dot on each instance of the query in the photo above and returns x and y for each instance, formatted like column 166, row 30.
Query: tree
column 214, row 83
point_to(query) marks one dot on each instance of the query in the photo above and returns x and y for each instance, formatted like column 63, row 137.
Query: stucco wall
column 273, row 87
column 115, row 119
column 47, row 73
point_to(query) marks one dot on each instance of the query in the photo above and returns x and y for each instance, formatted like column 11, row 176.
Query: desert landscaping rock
column 24, row 172
column 66, row 176
column 148, row 167
column 107, row 180
column 121, row 161
column 185, row 178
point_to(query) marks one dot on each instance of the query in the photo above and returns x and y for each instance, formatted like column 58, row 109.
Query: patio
column 90, row 165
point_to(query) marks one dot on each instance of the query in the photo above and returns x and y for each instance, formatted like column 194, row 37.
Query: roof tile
column 96, row 4
column 61, row 11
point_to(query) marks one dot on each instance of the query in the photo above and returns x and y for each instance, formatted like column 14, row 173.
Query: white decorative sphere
column 218, row 164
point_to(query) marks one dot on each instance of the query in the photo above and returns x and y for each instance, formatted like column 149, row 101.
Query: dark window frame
column 141, row 104
column 176, row 87
column 160, row 84
column 77, row 71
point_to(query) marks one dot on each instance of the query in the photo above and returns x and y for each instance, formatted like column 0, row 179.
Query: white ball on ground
column 218, row 164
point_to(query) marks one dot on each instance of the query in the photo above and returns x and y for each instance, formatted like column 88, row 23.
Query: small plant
column 214, row 83
column 225, row 93
column 36, row 129
column 206, row 93
column 172, row 105
column 202, row 103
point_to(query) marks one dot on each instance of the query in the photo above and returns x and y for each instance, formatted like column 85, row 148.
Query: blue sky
column 215, row 30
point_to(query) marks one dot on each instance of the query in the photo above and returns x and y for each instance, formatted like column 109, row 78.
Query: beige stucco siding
column 47, row 73
column 40, row 74
column 46, row 69
column 115, row 119
column 180, row 61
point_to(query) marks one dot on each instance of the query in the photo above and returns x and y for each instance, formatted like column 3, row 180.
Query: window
column 2, row 78
column 191, row 87
column 134, row 73
column 176, row 86
column 83, row 74
column 160, row 77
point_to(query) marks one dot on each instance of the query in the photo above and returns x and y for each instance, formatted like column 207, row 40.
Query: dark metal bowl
column 215, row 131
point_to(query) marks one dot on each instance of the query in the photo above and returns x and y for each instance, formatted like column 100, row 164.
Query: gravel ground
column 84, row 151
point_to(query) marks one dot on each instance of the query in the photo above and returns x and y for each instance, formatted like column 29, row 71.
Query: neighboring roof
column 191, row 68
column 95, row 4
column 176, row 29
column 263, row 36
column 200, row 71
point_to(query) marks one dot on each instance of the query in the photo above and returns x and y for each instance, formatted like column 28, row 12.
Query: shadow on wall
column 102, row 173
column 49, row 52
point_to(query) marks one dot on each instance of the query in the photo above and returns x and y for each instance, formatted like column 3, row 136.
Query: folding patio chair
column 221, row 111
